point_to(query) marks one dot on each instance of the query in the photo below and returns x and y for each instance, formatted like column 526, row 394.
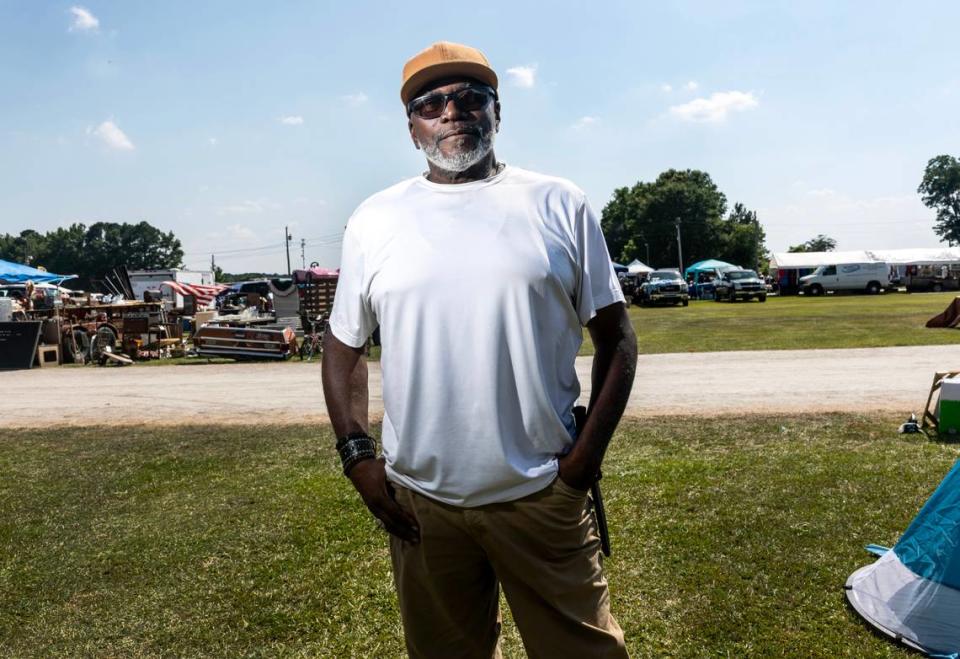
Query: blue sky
column 226, row 121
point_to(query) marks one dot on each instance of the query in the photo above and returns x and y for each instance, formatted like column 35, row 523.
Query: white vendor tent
column 788, row 267
column 813, row 260
column 636, row 267
column 935, row 256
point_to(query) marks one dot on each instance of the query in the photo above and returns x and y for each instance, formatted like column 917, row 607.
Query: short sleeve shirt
column 480, row 291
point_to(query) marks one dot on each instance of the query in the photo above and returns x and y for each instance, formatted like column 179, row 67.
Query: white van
column 868, row 277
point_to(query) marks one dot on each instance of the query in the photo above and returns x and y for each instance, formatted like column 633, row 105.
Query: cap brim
column 427, row 75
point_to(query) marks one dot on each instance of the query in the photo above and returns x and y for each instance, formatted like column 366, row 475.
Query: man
column 480, row 276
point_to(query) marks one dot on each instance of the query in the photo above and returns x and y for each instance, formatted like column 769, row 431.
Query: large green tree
column 92, row 252
column 821, row 243
column 23, row 248
column 940, row 190
column 743, row 239
column 647, row 215
column 641, row 222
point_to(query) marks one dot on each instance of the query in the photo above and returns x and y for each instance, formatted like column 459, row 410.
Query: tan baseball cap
column 442, row 60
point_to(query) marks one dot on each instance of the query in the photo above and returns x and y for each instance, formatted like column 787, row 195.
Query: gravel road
column 717, row 383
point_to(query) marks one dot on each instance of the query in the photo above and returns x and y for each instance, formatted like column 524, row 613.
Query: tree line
column 94, row 251
column 640, row 222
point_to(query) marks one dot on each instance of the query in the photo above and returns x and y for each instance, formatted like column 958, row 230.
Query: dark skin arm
column 344, row 373
column 614, row 366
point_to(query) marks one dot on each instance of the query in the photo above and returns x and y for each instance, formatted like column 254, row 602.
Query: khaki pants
column 543, row 549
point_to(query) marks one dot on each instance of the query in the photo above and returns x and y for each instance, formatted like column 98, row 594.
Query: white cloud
column 240, row 232
column 250, row 207
column 523, row 76
column 667, row 88
column 292, row 120
column 715, row 108
column 822, row 192
column 584, row 122
column 354, row 100
column 691, row 86
column 246, row 206
column 111, row 135
column 83, row 20
column 212, row 141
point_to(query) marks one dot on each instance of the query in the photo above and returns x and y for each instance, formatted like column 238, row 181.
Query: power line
column 236, row 251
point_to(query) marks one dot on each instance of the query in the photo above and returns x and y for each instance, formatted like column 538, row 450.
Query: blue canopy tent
column 14, row 273
column 710, row 265
column 912, row 593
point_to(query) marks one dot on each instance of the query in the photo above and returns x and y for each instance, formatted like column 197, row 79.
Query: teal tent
column 710, row 265
column 14, row 273
column 912, row 592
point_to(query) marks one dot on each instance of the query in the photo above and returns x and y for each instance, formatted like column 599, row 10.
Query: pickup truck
column 664, row 286
column 735, row 285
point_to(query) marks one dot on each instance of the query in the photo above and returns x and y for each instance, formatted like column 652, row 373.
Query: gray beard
column 462, row 161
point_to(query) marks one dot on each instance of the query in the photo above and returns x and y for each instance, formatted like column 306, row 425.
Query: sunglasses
column 467, row 99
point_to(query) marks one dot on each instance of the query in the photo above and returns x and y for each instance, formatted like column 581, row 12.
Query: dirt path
column 788, row 381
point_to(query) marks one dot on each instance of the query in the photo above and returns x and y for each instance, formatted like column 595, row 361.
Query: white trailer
column 150, row 280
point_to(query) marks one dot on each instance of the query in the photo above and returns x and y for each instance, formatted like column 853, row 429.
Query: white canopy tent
column 788, row 267
column 811, row 260
column 935, row 256
column 637, row 266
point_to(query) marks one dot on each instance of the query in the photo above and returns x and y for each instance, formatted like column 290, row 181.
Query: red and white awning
column 203, row 293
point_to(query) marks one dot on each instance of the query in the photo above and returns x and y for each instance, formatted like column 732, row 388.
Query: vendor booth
column 701, row 274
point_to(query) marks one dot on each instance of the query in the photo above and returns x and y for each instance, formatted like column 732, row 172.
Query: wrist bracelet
column 355, row 447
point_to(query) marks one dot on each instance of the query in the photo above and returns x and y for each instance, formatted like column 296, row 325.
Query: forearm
column 345, row 392
column 614, row 368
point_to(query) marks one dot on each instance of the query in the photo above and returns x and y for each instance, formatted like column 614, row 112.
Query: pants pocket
column 569, row 490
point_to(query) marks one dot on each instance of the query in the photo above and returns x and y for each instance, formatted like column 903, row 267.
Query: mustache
column 477, row 131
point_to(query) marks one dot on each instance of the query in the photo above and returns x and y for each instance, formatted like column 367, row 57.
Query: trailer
column 151, row 280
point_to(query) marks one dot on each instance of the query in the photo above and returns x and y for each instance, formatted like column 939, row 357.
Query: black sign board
column 18, row 343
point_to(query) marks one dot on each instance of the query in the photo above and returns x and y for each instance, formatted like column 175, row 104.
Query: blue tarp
column 14, row 273
column 707, row 266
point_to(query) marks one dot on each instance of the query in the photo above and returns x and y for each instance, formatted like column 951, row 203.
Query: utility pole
column 303, row 257
column 679, row 247
column 646, row 244
column 288, row 238
column 213, row 268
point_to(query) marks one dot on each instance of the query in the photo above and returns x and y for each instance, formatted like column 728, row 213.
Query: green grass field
column 731, row 538
column 831, row 321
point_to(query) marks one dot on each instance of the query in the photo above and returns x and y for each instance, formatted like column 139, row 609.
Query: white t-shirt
column 480, row 290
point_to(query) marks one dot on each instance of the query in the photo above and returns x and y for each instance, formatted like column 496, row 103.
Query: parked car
column 664, row 286
column 867, row 277
column 735, row 285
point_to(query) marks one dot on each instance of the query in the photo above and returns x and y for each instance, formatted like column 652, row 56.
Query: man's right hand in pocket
column 369, row 477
